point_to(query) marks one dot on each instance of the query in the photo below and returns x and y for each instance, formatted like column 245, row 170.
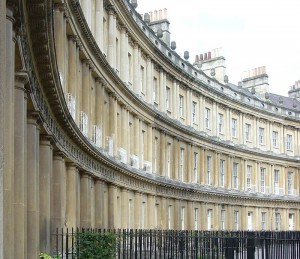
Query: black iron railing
column 189, row 244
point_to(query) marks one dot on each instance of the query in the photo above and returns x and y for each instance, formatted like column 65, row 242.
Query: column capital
column 72, row 165
column 73, row 38
column 59, row 154
column 33, row 117
column 21, row 77
column 111, row 10
column 60, row 7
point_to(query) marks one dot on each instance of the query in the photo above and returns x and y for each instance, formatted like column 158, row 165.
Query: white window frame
column 277, row 221
column 195, row 218
column 194, row 112
column 247, row 131
column 263, row 220
column 220, row 122
column 222, row 219
column 142, row 78
column 222, row 172
column 261, row 133
column 275, row 138
column 290, row 183
column 235, row 175
column 180, row 105
column 262, row 180
column 276, row 181
column 181, row 165
column 169, row 216
column 182, row 217
column 168, row 98
column 233, row 127
column 236, row 219
column 195, row 167
column 248, row 179
column 289, row 142
column 169, row 160
column 207, row 118
column 208, row 169
column 154, row 89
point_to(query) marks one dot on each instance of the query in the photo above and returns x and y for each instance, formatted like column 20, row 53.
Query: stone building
column 104, row 125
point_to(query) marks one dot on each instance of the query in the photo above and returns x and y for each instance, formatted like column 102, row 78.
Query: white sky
column 252, row 33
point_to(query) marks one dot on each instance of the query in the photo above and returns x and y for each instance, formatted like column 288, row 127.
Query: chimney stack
column 257, row 79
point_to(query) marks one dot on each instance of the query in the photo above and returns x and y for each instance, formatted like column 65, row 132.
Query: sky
column 252, row 33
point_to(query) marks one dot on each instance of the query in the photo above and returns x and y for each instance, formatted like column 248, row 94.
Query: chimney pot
column 205, row 56
column 209, row 55
column 197, row 59
column 201, row 57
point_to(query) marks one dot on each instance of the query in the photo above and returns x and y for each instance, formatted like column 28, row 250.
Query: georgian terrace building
column 104, row 125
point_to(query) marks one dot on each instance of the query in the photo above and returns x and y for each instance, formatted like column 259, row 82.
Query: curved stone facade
column 105, row 126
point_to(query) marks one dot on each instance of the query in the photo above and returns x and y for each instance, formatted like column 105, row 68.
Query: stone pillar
column 163, row 153
column 99, row 204
column 177, row 211
column 125, row 125
column 141, row 137
column 58, row 193
column 162, row 89
column 2, row 114
column 111, row 51
column 191, row 216
column 189, row 161
column 136, row 135
column 149, row 80
column 149, row 144
column 20, row 179
column 175, row 99
column 229, row 172
column 164, row 214
column 216, row 169
column 242, row 174
column 124, row 208
column 8, row 136
column 136, row 69
column 45, row 178
column 137, row 210
column 176, row 158
column 188, row 107
column 124, row 69
column 228, row 122
column 72, row 205
column 99, row 24
column 202, row 166
column 85, row 201
column 32, row 153
column 112, row 206
column 150, row 211
column 60, row 36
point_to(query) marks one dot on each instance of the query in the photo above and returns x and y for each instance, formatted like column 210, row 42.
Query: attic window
column 208, row 81
column 195, row 73
column 156, row 42
column 276, row 109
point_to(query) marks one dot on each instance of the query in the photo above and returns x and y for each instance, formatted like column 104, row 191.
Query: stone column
column 137, row 210
column 142, row 144
column 2, row 114
column 177, row 212
column 189, row 161
column 216, row 169
column 229, row 172
column 242, row 174
column 176, row 158
column 175, row 99
column 60, row 36
column 20, row 179
column 150, row 145
column 164, row 214
column 163, row 153
column 136, row 136
column 124, row 70
column 227, row 125
column 201, row 113
column 99, row 204
column 58, row 193
column 111, row 50
column 8, row 136
column 45, row 177
column 71, row 190
column 202, row 166
column 125, row 125
column 191, row 215
column 149, row 80
column 136, row 69
column 188, row 106
column 112, row 207
column 162, row 89
column 85, row 201
column 99, row 24
column 150, row 210
column 32, row 153
column 124, row 208
column 99, row 110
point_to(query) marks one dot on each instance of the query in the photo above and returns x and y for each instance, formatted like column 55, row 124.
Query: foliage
column 45, row 256
column 96, row 245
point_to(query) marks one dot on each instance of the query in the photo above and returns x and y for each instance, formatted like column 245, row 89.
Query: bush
column 96, row 245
